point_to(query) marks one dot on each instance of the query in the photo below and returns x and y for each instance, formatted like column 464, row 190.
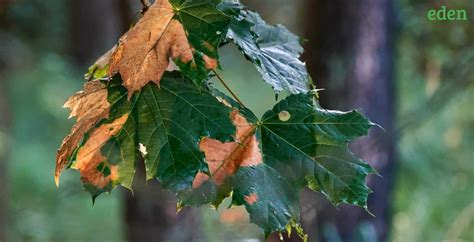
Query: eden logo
column 444, row 14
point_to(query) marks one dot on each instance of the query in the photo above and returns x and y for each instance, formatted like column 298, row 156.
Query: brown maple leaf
column 224, row 159
column 89, row 107
column 144, row 52
column 89, row 155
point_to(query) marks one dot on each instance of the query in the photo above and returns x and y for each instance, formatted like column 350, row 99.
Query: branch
column 146, row 5
column 228, row 88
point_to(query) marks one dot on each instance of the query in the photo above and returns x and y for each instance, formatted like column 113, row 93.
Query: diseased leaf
column 168, row 122
column 96, row 172
column 224, row 159
column 271, row 201
column 313, row 142
column 189, row 32
column 196, row 141
column 89, row 107
column 274, row 50
column 301, row 145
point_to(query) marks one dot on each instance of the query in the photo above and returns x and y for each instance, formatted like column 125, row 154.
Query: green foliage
column 168, row 122
column 273, row 50
column 313, row 142
column 302, row 146
column 206, row 27
column 433, row 198
column 297, row 144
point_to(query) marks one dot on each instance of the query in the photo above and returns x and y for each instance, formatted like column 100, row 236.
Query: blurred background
column 410, row 75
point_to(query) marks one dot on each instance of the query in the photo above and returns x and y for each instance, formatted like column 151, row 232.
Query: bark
column 150, row 212
column 96, row 27
column 4, row 127
column 350, row 53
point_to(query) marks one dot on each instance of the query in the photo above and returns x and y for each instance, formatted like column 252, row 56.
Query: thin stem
column 146, row 5
column 227, row 87
column 241, row 144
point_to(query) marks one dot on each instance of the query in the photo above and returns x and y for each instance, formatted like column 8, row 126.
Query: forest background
column 411, row 75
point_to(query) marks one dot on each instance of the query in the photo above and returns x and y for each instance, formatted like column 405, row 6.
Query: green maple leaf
column 274, row 50
column 205, row 26
column 302, row 145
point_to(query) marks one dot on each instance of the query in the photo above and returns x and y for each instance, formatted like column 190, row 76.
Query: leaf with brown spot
column 293, row 146
column 224, row 159
column 251, row 199
column 203, row 145
column 164, row 125
column 89, row 107
column 89, row 156
column 188, row 32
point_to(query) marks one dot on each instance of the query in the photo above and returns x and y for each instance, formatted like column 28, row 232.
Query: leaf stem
column 227, row 87
column 241, row 144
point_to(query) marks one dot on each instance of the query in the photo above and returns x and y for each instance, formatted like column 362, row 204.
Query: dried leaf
column 89, row 107
column 224, row 159
column 145, row 51
column 91, row 163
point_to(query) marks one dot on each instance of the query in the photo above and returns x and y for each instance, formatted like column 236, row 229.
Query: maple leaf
column 274, row 50
column 189, row 32
column 223, row 159
column 89, row 107
column 164, row 125
column 196, row 141
column 295, row 145
column 97, row 173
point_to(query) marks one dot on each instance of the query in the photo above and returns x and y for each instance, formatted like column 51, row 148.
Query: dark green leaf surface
column 277, row 202
column 309, row 145
column 205, row 27
column 302, row 146
column 298, row 144
column 274, row 50
column 165, row 126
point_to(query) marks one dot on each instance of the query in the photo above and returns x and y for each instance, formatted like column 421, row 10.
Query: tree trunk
column 350, row 53
column 4, row 127
column 96, row 26
column 150, row 212
column 4, row 139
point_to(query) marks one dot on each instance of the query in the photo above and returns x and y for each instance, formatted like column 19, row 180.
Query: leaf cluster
column 149, row 98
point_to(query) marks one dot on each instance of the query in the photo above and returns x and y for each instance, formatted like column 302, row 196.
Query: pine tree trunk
column 350, row 53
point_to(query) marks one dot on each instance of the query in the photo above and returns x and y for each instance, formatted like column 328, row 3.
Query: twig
column 146, row 5
column 228, row 88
